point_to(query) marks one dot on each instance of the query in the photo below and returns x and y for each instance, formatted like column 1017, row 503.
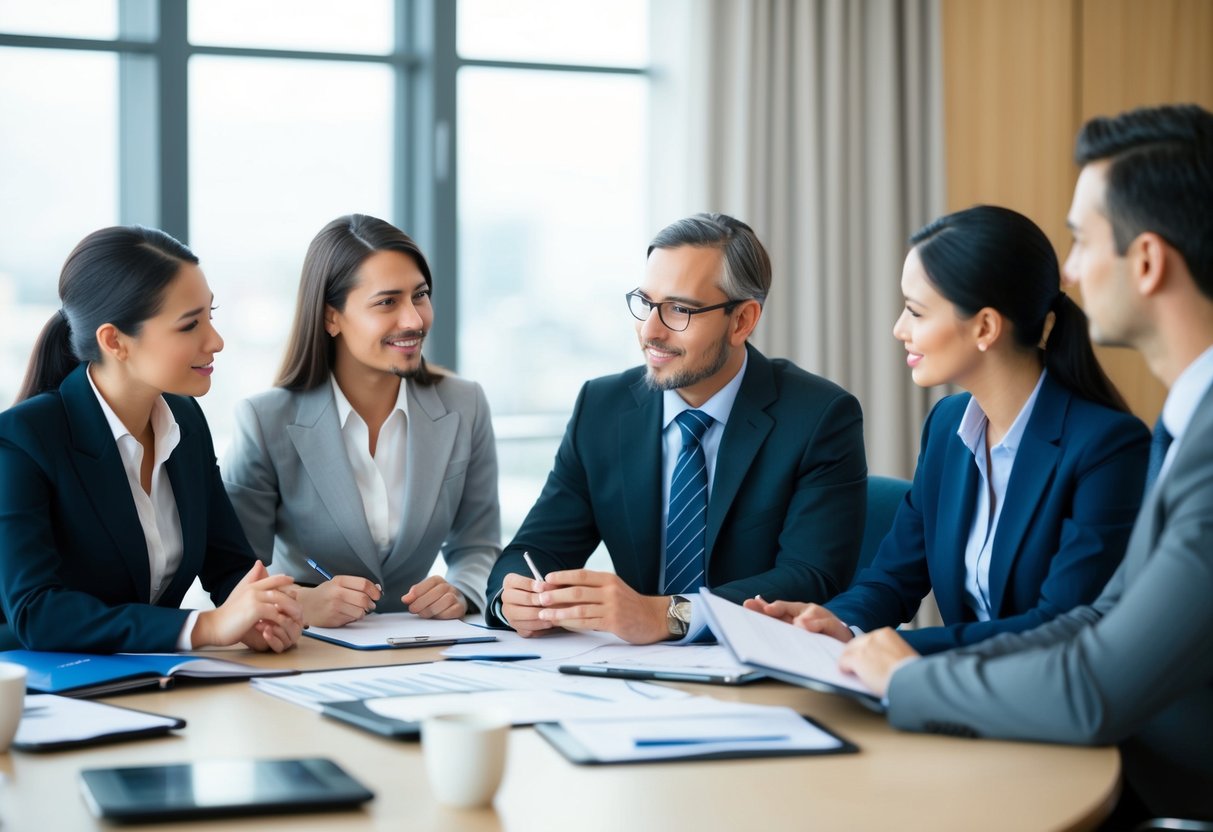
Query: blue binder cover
column 91, row 674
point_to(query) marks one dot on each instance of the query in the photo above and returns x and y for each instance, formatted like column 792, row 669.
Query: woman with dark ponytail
column 1027, row 485
column 110, row 500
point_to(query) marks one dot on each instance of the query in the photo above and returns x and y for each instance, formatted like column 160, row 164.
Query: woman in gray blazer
column 363, row 462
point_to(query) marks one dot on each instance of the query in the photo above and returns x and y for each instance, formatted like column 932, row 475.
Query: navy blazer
column 74, row 572
column 1075, row 487
column 786, row 511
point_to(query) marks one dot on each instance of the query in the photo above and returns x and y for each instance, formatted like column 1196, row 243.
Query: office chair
column 884, row 496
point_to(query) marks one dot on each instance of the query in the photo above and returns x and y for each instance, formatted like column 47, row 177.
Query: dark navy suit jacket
column 1074, row 490
column 74, row 572
column 786, row 511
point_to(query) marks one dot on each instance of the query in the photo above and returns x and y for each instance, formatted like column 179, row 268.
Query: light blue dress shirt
column 1184, row 396
column 718, row 407
column 993, row 480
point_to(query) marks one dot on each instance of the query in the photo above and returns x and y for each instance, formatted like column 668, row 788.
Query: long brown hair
column 329, row 273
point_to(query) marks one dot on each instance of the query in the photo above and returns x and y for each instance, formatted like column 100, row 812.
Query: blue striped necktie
column 687, row 525
column 1160, row 441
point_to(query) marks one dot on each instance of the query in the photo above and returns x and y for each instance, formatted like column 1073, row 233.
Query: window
column 242, row 126
column 552, row 226
column 58, row 182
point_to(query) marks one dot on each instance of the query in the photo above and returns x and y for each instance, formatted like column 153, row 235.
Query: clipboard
column 397, row 630
column 356, row 713
column 54, row 723
column 576, row 753
column 400, row 642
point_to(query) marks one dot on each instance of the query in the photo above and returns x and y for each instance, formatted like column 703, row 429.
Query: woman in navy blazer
column 1027, row 485
column 110, row 499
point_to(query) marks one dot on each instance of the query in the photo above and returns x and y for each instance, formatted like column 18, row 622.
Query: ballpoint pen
column 657, row 742
column 323, row 572
column 527, row 557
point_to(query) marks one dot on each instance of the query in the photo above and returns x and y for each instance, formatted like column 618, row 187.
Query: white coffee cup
column 465, row 756
column 12, row 701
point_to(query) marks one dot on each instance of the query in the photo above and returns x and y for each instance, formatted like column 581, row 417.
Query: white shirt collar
column 1186, row 393
column 973, row 423
column 718, row 407
column 164, row 427
column 344, row 408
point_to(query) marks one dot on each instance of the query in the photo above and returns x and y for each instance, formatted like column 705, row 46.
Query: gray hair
column 747, row 268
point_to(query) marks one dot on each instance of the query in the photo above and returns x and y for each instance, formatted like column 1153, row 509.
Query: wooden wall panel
column 1136, row 53
column 1021, row 77
column 1010, row 76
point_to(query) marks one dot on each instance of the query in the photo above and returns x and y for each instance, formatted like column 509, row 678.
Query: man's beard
column 691, row 375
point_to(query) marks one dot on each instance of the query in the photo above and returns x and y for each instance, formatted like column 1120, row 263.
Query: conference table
column 896, row 781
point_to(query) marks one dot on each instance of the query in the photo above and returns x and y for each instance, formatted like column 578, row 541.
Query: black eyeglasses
column 674, row 315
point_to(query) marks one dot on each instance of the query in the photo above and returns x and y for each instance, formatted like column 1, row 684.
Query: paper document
column 780, row 649
column 377, row 630
column 560, row 700
column 50, row 722
column 732, row 732
column 691, row 662
column 312, row 690
column 510, row 645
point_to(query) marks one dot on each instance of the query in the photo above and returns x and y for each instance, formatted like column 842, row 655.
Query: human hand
column 520, row 605
column 817, row 619
column 875, row 656
column 339, row 601
column 435, row 598
column 590, row 600
column 785, row 611
column 259, row 599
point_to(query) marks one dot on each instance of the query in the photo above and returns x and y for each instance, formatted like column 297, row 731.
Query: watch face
column 678, row 615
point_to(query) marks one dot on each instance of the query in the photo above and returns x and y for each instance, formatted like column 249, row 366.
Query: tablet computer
column 214, row 788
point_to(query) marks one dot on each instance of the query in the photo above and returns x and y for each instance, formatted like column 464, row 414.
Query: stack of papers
column 437, row 681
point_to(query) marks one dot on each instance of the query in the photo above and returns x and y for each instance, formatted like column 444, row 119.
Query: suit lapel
column 747, row 428
column 957, row 499
column 188, row 474
column 431, row 439
column 640, row 458
column 316, row 435
column 1035, row 462
column 96, row 458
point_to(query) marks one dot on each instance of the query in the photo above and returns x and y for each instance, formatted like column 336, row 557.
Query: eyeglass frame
column 658, row 304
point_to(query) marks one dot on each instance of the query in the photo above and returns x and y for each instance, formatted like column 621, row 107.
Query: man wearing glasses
column 711, row 465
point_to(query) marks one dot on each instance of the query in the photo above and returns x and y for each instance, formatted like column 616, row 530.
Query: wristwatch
column 678, row 616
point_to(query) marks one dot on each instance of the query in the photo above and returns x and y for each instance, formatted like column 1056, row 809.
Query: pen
column 657, row 742
column 323, row 572
column 534, row 571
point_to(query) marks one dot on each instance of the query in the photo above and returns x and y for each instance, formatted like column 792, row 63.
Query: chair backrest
column 884, row 496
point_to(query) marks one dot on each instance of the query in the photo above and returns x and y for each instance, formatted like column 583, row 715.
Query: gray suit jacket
column 1135, row 667
column 293, row 488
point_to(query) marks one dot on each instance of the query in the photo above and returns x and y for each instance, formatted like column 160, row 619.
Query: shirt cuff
column 185, row 639
column 698, row 631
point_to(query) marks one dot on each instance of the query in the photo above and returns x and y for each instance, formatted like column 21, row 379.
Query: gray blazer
column 293, row 488
column 1135, row 667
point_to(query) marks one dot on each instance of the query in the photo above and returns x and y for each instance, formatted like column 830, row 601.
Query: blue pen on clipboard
column 657, row 742
column 320, row 569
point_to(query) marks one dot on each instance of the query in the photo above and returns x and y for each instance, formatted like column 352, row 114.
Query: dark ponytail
column 116, row 275
column 987, row 256
column 1070, row 359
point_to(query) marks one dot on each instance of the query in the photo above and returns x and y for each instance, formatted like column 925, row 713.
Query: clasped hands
column 347, row 598
column 583, row 599
column 873, row 657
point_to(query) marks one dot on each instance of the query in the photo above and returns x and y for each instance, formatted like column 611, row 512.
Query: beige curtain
column 818, row 122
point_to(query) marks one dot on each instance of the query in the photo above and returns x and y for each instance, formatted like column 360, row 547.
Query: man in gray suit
column 364, row 459
column 1136, row 666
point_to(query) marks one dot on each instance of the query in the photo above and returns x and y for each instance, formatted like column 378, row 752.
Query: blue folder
column 90, row 674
